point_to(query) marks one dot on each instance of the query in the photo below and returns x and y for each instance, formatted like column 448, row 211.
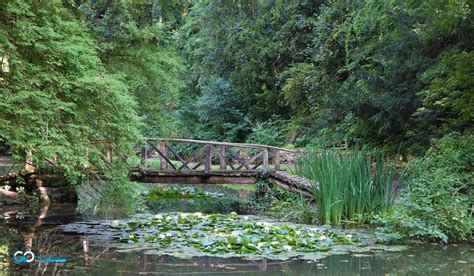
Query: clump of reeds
column 347, row 184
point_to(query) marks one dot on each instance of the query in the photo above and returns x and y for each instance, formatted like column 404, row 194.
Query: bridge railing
column 182, row 155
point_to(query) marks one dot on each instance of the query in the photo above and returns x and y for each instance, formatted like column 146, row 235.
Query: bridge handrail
column 204, row 142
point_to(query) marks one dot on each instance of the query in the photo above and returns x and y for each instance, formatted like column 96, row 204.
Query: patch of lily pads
column 196, row 234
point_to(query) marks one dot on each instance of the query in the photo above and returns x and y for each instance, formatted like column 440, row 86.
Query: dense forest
column 393, row 75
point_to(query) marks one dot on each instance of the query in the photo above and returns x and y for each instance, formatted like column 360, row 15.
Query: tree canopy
column 387, row 73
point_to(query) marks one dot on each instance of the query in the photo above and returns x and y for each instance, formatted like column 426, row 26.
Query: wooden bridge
column 186, row 161
column 164, row 160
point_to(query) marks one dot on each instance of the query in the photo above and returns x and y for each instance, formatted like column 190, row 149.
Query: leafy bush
column 435, row 205
column 348, row 184
column 270, row 132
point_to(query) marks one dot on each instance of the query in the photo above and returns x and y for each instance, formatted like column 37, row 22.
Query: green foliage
column 383, row 73
column 56, row 94
column 136, row 42
column 448, row 98
column 234, row 43
column 269, row 132
column 281, row 204
column 71, row 74
column 229, row 235
column 440, row 191
column 347, row 185
column 176, row 192
column 294, row 208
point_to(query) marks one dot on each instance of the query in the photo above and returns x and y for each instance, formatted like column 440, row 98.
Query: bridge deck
column 193, row 177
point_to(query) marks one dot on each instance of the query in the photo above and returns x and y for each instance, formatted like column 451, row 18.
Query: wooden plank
column 257, row 164
column 242, row 145
column 237, row 157
column 265, row 160
column 164, row 156
column 144, row 156
column 222, row 158
column 249, row 161
column 276, row 159
column 198, row 179
column 290, row 188
column 197, row 165
column 196, row 155
column 208, row 159
column 177, row 156
column 170, row 172
column 293, row 179
column 166, row 160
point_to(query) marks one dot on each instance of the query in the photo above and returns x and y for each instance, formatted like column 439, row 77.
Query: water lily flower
column 184, row 215
column 198, row 214
column 158, row 216
column 297, row 232
column 162, row 236
column 322, row 238
column 287, row 247
column 260, row 244
column 349, row 236
column 259, row 223
column 246, row 217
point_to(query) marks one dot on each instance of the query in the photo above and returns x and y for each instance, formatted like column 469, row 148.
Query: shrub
column 436, row 201
column 270, row 132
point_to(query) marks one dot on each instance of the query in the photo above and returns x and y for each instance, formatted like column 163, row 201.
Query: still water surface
column 20, row 229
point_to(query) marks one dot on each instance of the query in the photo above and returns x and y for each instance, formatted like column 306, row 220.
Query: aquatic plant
column 347, row 184
column 222, row 234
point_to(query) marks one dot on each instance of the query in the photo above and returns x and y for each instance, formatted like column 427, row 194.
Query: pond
column 95, row 251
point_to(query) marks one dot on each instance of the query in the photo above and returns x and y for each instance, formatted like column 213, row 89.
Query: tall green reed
column 347, row 184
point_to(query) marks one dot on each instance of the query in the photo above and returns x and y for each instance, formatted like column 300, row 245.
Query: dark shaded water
column 20, row 230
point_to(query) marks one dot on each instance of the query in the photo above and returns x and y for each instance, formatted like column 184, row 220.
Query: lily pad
column 250, row 237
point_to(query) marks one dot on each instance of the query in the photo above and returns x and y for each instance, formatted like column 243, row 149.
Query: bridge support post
column 265, row 160
column 208, row 159
column 144, row 156
column 276, row 159
column 163, row 162
column 222, row 161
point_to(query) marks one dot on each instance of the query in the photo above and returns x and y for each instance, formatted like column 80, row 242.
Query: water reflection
column 21, row 230
column 230, row 200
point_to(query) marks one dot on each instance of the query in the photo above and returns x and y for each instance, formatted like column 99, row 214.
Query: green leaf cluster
column 436, row 203
column 229, row 234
